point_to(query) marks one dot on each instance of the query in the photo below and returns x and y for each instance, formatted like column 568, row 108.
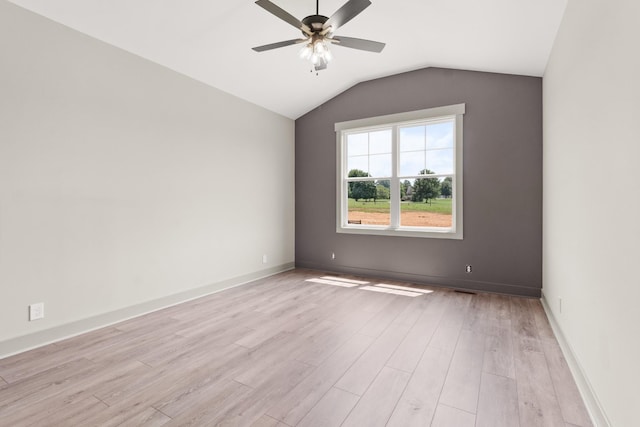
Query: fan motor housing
column 315, row 22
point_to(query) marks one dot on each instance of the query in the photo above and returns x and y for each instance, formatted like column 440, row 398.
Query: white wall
column 122, row 182
column 592, row 197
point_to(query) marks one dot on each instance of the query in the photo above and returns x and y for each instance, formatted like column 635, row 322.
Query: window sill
column 430, row 233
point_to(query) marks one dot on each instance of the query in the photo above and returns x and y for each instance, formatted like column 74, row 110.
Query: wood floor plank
column 477, row 316
column 203, row 382
column 498, row 352
column 285, row 302
column 76, row 417
column 414, row 308
column 419, row 400
column 39, row 360
column 301, row 315
column 379, row 323
column 500, row 307
column 360, row 304
column 55, row 412
column 294, row 405
column 448, row 331
column 498, row 402
column 537, row 401
column 274, row 358
column 134, row 349
column 11, row 365
column 125, row 414
column 199, row 328
column 331, row 410
column 571, row 404
column 447, row 416
column 248, row 410
column 523, row 325
column 135, row 340
column 151, row 386
column 321, row 343
column 410, row 350
column 542, row 323
column 462, row 385
column 180, row 347
column 347, row 324
column 208, row 411
column 266, row 421
column 377, row 404
column 190, row 397
column 25, row 394
column 113, row 385
column 362, row 373
column 314, row 354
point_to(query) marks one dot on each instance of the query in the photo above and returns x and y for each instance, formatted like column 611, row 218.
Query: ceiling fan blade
column 277, row 45
column 346, row 13
column 280, row 13
column 360, row 44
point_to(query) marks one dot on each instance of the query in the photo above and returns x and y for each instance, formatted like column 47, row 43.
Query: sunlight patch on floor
column 333, row 282
column 391, row 291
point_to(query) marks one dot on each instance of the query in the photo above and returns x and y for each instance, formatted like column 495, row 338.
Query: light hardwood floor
column 283, row 351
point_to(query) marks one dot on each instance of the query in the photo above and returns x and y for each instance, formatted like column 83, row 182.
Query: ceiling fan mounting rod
column 317, row 7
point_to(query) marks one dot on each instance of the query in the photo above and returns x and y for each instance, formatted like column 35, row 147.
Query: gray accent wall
column 502, row 184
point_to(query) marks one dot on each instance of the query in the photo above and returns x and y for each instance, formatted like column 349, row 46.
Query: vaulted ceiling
column 211, row 41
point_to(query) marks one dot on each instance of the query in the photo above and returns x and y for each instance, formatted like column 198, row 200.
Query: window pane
column 411, row 163
column 360, row 163
column 357, row 144
column 380, row 142
column 440, row 135
column 369, row 203
column 440, row 161
column 424, row 203
column 412, row 138
column 380, row 165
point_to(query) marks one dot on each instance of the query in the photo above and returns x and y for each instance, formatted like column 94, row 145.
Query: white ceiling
column 211, row 41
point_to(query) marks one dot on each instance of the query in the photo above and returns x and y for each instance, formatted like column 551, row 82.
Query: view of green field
column 441, row 206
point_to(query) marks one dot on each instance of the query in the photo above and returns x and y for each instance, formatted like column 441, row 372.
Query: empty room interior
column 226, row 213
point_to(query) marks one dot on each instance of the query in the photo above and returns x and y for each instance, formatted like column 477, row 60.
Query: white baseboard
column 596, row 412
column 38, row 339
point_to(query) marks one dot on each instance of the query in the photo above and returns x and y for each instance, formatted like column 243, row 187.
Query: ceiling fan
column 318, row 32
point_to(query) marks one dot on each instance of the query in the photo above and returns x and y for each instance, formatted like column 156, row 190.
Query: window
column 401, row 174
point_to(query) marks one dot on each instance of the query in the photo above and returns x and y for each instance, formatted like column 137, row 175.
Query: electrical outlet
column 36, row 311
column 333, row 255
column 264, row 258
column 467, row 269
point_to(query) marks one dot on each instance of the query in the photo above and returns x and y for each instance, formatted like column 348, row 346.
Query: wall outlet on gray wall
column 467, row 269
column 333, row 255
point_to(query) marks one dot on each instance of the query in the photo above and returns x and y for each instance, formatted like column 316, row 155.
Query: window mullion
column 395, row 182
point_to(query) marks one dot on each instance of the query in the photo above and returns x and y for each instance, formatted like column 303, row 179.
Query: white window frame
column 395, row 121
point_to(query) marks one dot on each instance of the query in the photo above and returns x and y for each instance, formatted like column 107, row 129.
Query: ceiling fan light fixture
column 317, row 52
column 326, row 53
column 306, row 51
